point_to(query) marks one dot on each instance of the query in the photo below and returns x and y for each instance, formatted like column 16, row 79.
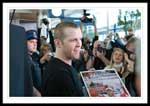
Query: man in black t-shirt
column 60, row 78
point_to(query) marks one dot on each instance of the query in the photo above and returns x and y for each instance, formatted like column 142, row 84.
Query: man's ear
column 58, row 43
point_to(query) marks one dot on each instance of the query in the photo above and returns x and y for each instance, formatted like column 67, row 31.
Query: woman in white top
column 120, row 62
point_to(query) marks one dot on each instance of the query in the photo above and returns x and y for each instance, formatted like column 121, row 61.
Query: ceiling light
column 56, row 12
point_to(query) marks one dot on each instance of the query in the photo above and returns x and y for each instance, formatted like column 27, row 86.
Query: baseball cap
column 31, row 34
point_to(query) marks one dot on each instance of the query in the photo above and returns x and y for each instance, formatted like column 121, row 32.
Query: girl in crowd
column 45, row 54
column 120, row 62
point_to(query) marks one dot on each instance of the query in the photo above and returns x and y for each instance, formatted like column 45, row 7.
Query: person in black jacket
column 31, row 38
column 60, row 78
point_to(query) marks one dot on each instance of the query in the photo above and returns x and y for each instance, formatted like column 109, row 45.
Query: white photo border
column 6, row 9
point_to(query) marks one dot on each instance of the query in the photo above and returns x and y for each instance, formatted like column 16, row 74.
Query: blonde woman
column 44, row 52
column 120, row 62
column 45, row 56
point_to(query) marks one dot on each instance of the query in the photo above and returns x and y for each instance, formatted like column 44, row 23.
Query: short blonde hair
column 59, row 29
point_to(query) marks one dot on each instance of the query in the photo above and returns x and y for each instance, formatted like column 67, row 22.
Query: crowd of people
column 56, row 73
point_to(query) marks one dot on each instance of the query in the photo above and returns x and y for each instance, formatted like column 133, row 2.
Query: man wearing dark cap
column 31, row 37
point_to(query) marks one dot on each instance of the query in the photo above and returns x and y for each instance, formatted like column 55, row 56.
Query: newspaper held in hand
column 104, row 83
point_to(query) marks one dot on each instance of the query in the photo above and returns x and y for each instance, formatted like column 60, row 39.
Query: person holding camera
column 121, row 63
column 99, row 53
column 45, row 56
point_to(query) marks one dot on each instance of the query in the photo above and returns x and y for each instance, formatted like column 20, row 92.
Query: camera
column 85, row 14
column 45, row 21
column 88, row 49
column 85, row 19
column 101, row 49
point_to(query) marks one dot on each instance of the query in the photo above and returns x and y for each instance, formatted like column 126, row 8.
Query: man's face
column 130, row 32
column 32, row 45
column 71, row 44
column 131, row 47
